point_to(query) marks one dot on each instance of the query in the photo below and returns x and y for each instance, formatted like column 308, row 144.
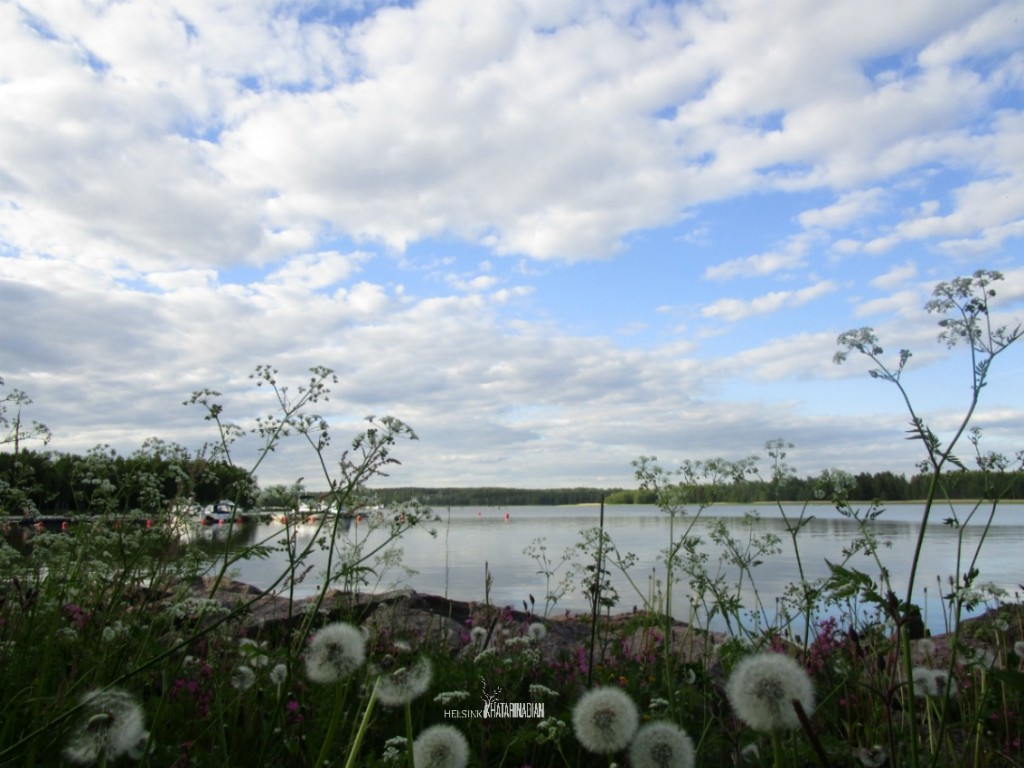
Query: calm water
column 452, row 564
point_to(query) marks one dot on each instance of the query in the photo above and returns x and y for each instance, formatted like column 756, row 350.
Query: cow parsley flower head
column 661, row 744
column 399, row 687
column 440, row 746
column 335, row 652
column 762, row 689
column 112, row 725
column 604, row 720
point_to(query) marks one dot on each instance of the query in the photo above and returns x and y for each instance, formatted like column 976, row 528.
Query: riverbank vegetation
column 121, row 644
column 60, row 483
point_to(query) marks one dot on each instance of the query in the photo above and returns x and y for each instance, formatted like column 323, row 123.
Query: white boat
column 219, row 512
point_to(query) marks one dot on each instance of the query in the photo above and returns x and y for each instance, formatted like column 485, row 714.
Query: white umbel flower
column 604, row 720
column 661, row 744
column 335, row 652
column 112, row 725
column 762, row 689
column 440, row 746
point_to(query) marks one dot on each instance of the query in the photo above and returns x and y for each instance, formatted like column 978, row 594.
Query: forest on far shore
column 865, row 487
column 45, row 481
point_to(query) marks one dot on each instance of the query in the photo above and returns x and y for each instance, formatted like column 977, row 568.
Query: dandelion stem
column 333, row 725
column 408, row 733
column 777, row 748
column 358, row 740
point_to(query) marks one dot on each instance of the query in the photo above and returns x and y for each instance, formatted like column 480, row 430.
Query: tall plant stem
column 332, row 727
column 596, row 597
column 357, row 742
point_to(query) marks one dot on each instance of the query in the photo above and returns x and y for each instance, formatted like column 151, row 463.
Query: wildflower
column 112, row 725
column 537, row 631
column 922, row 677
column 658, row 704
column 243, row 679
column 871, row 757
column 762, row 690
column 1018, row 649
column 932, row 682
column 982, row 657
column 393, row 749
column 254, row 652
column 478, row 635
column 440, row 746
column 604, row 720
column 405, row 684
column 447, row 698
column 278, row 674
column 335, row 652
column 750, row 754
column 538, row 691
column 926, row 646
column 661, row 745
column 485, row 654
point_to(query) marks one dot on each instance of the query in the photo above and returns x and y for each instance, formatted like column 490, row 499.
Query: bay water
column 473, row 544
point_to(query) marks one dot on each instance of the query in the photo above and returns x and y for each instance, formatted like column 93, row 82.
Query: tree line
column 103, row 481
column 862, row 487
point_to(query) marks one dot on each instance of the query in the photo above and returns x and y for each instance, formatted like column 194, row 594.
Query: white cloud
column 738, row 309
column 190, row 188
column 897, row 275
column 756, row 266
column 908, row 300
column 850, row 207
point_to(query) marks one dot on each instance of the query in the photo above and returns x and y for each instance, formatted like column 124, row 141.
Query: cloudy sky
column 551, row 235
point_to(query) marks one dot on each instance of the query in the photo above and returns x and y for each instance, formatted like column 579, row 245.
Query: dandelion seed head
column 243, row 679
column 762, row 688
column 397, row 688
column 278, row 674
column 605, row 720
column 932, row 683
column 1018, row 648
column 478, row 635
column 536, row 631
column 871, row 757
column 661, row 744
column 335, row 652
column 112, row 725
column 440, row 746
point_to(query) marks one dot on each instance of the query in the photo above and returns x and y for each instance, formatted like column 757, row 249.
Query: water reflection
column 452, row 563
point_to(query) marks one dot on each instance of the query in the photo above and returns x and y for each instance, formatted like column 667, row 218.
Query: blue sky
column 551, row 235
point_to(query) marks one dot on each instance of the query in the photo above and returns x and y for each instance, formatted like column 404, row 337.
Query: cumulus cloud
column 899, row 274
column 460, row 206
column 739, row 309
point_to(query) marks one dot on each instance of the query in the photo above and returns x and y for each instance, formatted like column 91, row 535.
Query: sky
column 551, row 236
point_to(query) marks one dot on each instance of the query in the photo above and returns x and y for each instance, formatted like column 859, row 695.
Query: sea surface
column 480, row 552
